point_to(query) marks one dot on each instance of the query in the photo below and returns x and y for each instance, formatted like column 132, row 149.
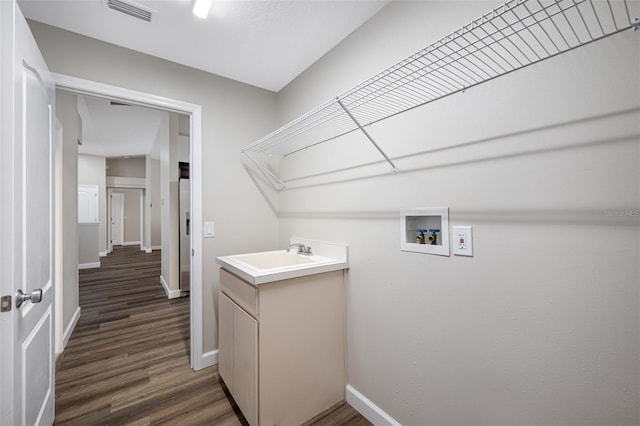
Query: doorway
column 74, row 85
column 116, row 218
column 126, row 218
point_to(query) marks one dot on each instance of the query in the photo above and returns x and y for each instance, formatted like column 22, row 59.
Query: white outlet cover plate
column 462, row 240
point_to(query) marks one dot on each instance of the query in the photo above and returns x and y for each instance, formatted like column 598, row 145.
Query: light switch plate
column 462, row 240
column 209, row 230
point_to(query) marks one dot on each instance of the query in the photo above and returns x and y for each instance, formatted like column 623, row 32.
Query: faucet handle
column 302, row 249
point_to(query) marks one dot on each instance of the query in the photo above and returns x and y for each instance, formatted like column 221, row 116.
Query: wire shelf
column 517, row 34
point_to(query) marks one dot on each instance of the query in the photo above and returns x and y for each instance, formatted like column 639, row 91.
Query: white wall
column 88, row 256
column 169, row 203
column 67, row 113
column 92, row 171
column 233, row 114
column 541, row 326
column 126, row 167
column 153, row 203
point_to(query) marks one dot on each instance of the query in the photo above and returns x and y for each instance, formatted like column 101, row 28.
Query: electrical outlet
column 462, row 240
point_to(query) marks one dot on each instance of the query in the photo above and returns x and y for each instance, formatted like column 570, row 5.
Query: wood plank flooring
column 127, row 361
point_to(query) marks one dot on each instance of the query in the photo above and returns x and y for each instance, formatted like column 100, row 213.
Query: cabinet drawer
column 241, row 292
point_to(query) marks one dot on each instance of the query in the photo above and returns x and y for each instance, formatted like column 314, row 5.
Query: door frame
column 59, row 253
column 76, row 85
column 142, row 224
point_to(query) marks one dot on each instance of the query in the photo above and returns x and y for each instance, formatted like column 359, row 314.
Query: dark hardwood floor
column 127, row 361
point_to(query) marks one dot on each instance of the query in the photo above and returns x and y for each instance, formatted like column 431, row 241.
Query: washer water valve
column 433, row 238
column 422, row 238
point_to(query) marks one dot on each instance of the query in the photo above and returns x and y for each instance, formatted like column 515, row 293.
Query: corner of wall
column 171, row 294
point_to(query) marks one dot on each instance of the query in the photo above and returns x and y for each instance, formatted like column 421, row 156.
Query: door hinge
column 5, row 304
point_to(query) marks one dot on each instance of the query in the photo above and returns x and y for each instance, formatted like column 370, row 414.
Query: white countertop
column 269, row 266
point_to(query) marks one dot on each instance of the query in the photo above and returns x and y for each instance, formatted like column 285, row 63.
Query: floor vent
column 131, row 9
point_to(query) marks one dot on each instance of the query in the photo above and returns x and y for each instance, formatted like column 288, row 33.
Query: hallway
column 127, row 361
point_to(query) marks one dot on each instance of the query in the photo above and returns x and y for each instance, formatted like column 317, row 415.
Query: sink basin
column 274, row 259
column 269, row 266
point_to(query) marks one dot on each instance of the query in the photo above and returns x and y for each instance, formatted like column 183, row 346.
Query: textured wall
column 541, row 325
column 92, row 171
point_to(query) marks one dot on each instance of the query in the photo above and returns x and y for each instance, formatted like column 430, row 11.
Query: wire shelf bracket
column 355, row 120
column 510, row 37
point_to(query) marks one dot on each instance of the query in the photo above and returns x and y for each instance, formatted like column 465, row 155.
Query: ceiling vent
column 132, row 9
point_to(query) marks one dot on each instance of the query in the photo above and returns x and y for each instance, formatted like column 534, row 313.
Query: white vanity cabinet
column 282, row 346
column 238, row 362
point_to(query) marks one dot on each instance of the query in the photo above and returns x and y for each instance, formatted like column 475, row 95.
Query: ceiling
column 112, row 129
column 265, row 43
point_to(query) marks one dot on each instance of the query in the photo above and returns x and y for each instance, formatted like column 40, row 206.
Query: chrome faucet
column 301, row 249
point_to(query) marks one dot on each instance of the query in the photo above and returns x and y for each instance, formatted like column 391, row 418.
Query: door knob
column 34, row 297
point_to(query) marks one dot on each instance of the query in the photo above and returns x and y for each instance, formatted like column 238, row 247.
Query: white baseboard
column 103, row 253
column 72, row 325
column 88, row 265
column 368, row 409
column 156, row 247
column 171, row 294
column 148, row 250
column 131, row 243
column 209, row 358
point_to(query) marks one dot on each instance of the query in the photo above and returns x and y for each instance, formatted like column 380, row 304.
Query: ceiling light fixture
column 201, row 8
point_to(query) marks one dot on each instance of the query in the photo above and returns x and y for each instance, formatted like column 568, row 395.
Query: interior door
column 117, row 218
column 87, row 203
column 26, row 225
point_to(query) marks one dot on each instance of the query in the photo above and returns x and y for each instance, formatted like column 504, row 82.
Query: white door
column 117, row 218
column 87, row 203
column 27, row 383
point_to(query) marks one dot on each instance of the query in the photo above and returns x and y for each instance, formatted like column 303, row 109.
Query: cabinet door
column 245, row 364
column 225, row 340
